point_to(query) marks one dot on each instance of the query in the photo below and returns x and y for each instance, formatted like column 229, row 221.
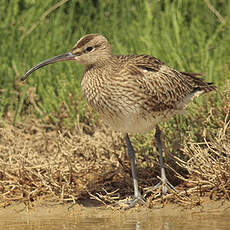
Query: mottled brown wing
column 161, row 87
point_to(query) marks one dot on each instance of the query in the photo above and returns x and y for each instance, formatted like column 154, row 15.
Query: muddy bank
column 53, row 210
column 40, row 162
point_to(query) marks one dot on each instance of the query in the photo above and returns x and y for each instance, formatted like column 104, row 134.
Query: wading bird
column 131, row 93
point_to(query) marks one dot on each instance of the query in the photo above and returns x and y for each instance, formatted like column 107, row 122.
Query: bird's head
column 89, row 50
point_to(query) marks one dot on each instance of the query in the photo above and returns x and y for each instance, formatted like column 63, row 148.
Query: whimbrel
column 132, row 93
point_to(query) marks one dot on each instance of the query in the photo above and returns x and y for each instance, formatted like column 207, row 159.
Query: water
column 138, row 219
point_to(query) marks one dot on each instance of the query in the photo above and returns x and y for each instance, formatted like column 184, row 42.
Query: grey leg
column 133, row 167
column 164, row 181
column 137, row 195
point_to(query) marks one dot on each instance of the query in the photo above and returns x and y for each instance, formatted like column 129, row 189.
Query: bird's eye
column 88, row 49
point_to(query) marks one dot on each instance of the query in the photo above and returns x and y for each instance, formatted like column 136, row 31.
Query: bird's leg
column 133, row 167
column 164, row 181
column 137, row 195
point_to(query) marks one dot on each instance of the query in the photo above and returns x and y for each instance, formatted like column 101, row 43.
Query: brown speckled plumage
column 128, row 90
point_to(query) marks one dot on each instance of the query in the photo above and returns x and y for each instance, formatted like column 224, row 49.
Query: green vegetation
column 192, row 36
column 186, row 35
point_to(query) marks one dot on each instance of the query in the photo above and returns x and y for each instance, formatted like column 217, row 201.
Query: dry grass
column 36, row 163
column 39, row 163
column 209, row 163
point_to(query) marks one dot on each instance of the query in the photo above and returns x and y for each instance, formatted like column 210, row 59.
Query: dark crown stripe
column 85, row 40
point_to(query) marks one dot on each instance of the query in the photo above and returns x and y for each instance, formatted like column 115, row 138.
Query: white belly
column 138, row 123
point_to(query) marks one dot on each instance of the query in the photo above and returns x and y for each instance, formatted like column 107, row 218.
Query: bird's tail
column 199, row 83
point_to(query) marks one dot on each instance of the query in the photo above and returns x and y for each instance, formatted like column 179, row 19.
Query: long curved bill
column 62, row 57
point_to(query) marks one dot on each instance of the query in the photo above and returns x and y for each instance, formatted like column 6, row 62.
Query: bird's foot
column 164, row 185
column 130, row 203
